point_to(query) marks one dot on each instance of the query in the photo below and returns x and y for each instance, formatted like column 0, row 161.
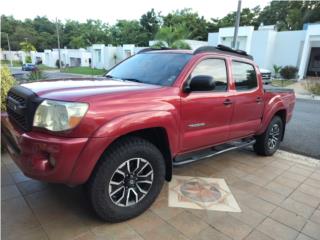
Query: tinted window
column 152, row 68
column 244, row 76
column 215, row 68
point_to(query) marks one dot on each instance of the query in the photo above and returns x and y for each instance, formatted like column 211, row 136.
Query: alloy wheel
column 131, row 182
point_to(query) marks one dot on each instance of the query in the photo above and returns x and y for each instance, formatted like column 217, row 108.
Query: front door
column 206, row 116
column 248, row 100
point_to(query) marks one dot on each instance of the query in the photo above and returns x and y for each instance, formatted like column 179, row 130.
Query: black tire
column 262, row 146
column 108, row 167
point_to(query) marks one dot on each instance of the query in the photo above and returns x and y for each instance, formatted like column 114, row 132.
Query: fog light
column 52, row 161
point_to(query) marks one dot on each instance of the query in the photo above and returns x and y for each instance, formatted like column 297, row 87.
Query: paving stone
column 279, row 188
column 316, row 217
column 303, row 237
column 294, row 176
column 277, row 230
column 312, row 230
column 297, row 207
column 231, row 227
column 313, row 182
column 249, row 216
column 288, row 218
column 257, row 235
column 316, row 175
column 260, row 181
column 210, row 233
column 145, row 222
column 307, row 199
column 109, row 231
column 283, row 180
column 17, row 219
column 270, row 196
column 19, row 177
column 9, row 191
column 161, row 208
column 309, row 190
column 164, row 231
column 188, row 223
column 297, row 169
column 31, row 186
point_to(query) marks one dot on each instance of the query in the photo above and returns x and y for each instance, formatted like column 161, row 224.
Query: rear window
column 244, row 76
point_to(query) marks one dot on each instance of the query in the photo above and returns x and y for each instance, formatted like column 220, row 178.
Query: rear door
column 206, row 115
column 248, row 100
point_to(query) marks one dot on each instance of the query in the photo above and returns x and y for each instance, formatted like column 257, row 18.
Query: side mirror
column 200, row 83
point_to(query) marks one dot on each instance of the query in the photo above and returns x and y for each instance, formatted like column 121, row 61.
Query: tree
column 27, row 47
column 150, row 23
column 128, row 32
column 172, row 37
column 196, row 26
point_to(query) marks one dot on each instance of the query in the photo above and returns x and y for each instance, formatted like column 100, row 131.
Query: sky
column 110, row 11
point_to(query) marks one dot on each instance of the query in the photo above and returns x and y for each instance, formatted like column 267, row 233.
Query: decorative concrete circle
column 200, row 191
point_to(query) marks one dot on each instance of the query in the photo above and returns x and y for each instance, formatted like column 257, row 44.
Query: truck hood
column 76, row 89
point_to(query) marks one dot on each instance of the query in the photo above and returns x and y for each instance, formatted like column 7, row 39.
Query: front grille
column 21, row 105
column 266, row 75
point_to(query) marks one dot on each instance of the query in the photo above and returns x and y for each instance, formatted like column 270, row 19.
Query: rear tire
column 268, row 142
column 137, row 168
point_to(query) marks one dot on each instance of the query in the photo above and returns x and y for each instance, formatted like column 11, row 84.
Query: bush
column 36, row 75
column 7, row 81
column 289, row 72
column 28, row 59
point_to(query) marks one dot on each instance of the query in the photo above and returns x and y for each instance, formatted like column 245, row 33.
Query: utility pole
column 236, row 26
column 58, row 39
column 9, row 48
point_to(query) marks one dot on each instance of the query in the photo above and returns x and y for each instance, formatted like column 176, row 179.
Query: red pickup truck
column 122, row 134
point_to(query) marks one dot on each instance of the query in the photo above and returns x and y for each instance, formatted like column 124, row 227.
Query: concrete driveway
column 279, row 198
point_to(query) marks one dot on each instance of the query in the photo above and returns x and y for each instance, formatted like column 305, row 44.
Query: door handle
column 227, row 102
column 259, row 100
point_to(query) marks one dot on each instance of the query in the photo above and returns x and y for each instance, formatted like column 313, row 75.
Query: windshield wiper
column 132, row 80
column 109, row 76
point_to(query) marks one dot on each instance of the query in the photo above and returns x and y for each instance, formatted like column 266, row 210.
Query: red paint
column 117, row 108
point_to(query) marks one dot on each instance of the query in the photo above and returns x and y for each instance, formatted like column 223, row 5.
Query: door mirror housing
column 200, row 83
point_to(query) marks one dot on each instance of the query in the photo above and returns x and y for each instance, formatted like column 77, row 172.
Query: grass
column 14, row 63
column 282, row 82
column 44, row 67
column 84, row 70
column 313, row 86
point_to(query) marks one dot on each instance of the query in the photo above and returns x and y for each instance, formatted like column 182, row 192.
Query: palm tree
column 172, row 37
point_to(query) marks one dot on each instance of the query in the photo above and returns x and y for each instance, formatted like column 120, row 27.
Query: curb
column 297, row 158
column 308, row 97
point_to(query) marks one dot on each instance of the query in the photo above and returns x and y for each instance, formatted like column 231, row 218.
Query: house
column 269, row 47
column 69, row 57
column 105, row 57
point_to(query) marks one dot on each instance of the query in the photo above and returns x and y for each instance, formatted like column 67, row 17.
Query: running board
column 199, row 155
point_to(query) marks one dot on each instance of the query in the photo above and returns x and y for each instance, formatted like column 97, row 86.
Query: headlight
column 59, row 116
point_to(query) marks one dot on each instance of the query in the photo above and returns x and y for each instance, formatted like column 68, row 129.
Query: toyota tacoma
column 122, row 134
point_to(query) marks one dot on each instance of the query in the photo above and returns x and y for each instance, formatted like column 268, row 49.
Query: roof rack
column 222, row 49
column 153, row 49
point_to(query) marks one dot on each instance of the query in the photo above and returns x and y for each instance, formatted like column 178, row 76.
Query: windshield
column 152, row 68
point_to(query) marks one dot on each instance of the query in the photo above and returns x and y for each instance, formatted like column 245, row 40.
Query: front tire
column 127, row 179
column 268, row 142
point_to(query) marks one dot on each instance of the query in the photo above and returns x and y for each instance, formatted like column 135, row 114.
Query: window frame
column 234, row 81
column 211, row 58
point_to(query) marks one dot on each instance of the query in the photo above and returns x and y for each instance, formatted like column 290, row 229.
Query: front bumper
column 40, row 155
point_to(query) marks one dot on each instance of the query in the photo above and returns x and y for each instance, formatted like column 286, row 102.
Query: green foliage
column 180, row 44
column 27, row 47
column 41, row 32
column 276, row 70
column 7, row 81
column 36, row 75
column 171, row 35
column 28, row 59
column 289, row 72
